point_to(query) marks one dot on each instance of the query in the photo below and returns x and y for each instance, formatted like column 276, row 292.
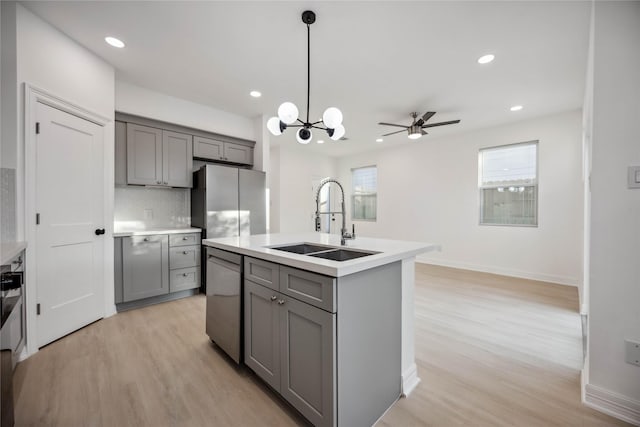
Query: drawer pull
column 185, row 238
column 185, row 252
column 280, row 301
column 146, row 239
column 184, row 274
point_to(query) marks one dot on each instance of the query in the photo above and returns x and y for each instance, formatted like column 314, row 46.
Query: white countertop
column 8, row 250
column 151, row 231
column 258, row 246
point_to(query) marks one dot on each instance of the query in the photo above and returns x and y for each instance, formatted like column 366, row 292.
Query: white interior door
column 70, row 204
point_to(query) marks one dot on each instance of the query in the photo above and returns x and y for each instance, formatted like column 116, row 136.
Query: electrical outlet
column 632, row 352
column 148, row 214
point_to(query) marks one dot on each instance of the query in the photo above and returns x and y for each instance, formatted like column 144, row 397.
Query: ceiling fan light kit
column 416, row 129
column 288, row 113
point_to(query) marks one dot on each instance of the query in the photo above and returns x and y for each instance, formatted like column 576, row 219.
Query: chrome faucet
column 344, row 235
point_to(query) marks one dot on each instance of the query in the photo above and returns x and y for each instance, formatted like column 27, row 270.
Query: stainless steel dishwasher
column 224, row 301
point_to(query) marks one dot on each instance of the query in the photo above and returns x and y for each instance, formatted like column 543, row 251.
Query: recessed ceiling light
column 379, row 140
column 255, row 94
column 516, row 108
column 320, row 141
column 485, row 59
column 114, row 42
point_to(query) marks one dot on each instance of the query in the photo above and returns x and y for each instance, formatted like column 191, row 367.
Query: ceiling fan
column 416, row 129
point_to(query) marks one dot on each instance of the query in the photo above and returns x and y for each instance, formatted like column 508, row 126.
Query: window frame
column 353, row 195
column 535, row 184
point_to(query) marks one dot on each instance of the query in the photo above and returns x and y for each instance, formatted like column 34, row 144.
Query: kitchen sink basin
column 303, row 248
column 341, row 254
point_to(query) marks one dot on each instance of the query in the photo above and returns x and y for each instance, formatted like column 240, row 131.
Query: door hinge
column 37, row 219
column 37, row 128
column 38, row 309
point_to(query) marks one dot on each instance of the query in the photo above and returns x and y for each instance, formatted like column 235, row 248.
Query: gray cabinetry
column 330, row 346
column 120, row 175
column 262, row 332
column 144, row 155
column 288, row 343
column 155, row 267
column 145, row 261
column 308, row 368
column 212, row 149
column 177, row 158
column 153, row 156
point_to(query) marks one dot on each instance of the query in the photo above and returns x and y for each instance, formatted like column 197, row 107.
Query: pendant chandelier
column 288, row 112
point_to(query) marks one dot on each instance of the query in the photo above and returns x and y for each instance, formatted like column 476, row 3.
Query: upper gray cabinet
column 177, row 159
column 211, row 149
column 158, row 157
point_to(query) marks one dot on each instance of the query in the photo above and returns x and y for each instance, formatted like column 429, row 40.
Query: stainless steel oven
column 11, row 333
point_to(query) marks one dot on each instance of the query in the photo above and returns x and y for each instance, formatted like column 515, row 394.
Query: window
column 508, row 182
column 364, row 193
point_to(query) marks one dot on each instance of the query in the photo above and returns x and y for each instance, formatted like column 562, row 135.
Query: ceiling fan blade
column 391, row 124
column 440, row 124
column 426, row 116
column 392, row 133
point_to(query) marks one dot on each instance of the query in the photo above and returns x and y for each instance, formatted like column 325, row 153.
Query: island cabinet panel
column 145, row 263
column 308, row 360
column 330, row 346
column 262, row 332
column 312, row 288
column 262, row 272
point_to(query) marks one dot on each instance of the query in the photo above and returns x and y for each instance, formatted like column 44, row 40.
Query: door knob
column 99, row 231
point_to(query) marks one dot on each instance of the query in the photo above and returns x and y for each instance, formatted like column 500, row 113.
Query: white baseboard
column 560, row 280
column 613, row 404
column 410, row 380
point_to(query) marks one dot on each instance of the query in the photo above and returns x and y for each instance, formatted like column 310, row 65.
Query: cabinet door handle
column 146, row 239
column 158, row 182
column 184, row 274
column 185, row 252
column 280, row 301
column 165, row 183
column 273, row 297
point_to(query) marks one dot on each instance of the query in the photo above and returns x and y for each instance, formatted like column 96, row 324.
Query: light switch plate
column 632, row 352
column 633, row 177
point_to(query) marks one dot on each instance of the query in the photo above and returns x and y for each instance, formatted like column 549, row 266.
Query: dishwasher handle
column 223, row 263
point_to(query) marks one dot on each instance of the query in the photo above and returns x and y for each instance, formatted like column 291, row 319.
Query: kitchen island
column 334, row 338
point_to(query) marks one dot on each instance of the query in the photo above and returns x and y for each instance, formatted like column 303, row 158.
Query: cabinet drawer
column 181, row 279
column 184, row 239
column 262, row 272
column 184, row 256
column 312, row 288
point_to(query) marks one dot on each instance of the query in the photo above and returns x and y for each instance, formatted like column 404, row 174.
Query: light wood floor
column 491, row 351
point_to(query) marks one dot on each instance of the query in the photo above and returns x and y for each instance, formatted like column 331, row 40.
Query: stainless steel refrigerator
column 226, row 202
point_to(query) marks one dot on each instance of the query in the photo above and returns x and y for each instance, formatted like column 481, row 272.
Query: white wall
column 143, row 102
column 292, row 191
column 49, row 60
column 614, row 311
column 428, row 191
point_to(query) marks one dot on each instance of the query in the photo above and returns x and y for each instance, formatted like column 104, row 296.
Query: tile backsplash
column 137, row 208
column 8, row 204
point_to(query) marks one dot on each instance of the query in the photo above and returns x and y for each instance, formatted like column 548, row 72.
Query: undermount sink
column 303, row 248
column 327, row 252
column 341, row 254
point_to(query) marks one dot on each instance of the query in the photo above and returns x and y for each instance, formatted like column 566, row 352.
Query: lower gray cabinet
column 155, row 266
column 145, row 266
column 291, row 345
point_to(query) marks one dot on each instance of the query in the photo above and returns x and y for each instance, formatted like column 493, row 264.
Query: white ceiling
column 376, row 61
